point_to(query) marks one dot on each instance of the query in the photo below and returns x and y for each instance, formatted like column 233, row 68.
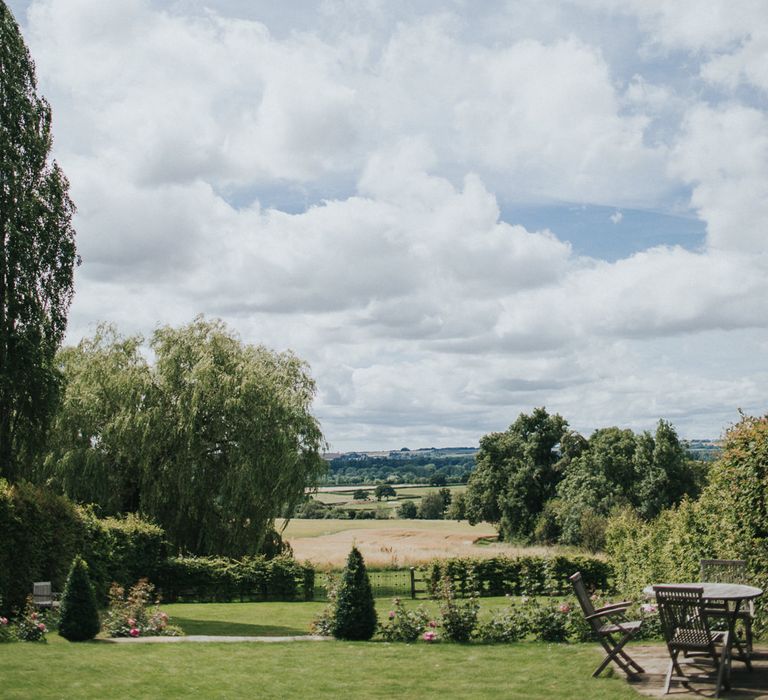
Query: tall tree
column 37, row 255
column 516, row 473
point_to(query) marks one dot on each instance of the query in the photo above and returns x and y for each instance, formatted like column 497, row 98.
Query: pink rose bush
column 404, row 625
column 137, row 613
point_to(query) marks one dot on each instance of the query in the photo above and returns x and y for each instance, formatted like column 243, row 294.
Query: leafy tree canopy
column 214, row 440
column 516, row 473
column 37, row 256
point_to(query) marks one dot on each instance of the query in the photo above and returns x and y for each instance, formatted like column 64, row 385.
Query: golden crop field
column 394, row 543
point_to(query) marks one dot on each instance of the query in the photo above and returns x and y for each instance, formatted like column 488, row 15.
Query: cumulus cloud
column 427, row 313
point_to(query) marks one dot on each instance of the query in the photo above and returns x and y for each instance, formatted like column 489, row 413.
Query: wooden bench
column 43, row 595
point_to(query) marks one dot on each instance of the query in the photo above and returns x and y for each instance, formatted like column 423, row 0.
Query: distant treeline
column 418, row 467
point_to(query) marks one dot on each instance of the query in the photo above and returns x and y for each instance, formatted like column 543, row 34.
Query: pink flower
column 33, row 616
column 131, row 622
column 429, row 636
column 134, row 632
column 391, row 614
column 432, row 623
column 564, row 608
column 3, row 620
column 649, row 607
column 41, row 626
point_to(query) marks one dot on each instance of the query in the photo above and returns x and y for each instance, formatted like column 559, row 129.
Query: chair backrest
column 41, row 592
column 683, row 621
column 723, row 570
column 581, row 594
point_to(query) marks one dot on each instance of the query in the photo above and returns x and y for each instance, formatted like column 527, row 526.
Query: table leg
column 732, row 619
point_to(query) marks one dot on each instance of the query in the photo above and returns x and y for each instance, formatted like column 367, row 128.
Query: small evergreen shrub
column 137, row 614
column 405, row 625
column 79, row 613
column 355, row 614
column 30, row 627
column 458, row 619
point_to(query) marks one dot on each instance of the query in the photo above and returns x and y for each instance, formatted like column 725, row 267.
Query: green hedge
column 41, row 533
column 223, row 579
column 518, row 575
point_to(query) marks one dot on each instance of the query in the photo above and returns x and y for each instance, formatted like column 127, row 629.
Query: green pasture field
column 60, row 669
column 413, row 492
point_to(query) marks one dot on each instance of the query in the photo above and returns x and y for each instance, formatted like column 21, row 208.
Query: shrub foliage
column 355, row 614
column 79, row 612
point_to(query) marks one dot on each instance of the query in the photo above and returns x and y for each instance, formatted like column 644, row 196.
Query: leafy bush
column 355, row 614
column 43, row 532
column 525, row 575
column 224, row 579
column 506, row 625
column 79, row 613
column 457, row 619
column 6, row 633
column 548, row 620
column 30, row 627
column 137, row 614
column 405, row 625
column 323, row 623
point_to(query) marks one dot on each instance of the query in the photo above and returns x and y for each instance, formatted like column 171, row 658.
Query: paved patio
column 655, row 660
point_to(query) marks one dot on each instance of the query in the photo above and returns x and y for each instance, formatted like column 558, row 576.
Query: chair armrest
column 615, row 607
column 606, row 612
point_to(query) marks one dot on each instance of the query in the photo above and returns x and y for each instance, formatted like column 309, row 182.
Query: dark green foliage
column 498, row 576
column 515, row 474
column 42, row 533
column 384, row 491
column 37, row 257
column 458, row 619
column 213, row 441
column 79, row 612
column 431, row 506
column 223, row 579
column 355, row 614
column 728, row 521
column 407, row 510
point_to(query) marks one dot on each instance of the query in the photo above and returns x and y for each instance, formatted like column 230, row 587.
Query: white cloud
column 428, row 315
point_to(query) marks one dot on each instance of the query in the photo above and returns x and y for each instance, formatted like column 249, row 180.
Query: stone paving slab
column 744, row 685
column 192, row 638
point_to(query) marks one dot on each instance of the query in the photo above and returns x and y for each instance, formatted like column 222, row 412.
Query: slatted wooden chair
column 728, row 571
column 611, row 628
column 686, row 629
column 43, row 595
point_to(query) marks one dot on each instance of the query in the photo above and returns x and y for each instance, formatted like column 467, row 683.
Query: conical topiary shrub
column 355, row 614
column 79, row 613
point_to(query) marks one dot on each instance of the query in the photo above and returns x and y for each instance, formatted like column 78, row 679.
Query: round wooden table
column 732, row 595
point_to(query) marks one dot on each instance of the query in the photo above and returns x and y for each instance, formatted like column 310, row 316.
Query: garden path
column 211, row 638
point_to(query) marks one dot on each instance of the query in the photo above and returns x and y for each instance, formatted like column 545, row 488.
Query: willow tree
column 230, row 439
column 95, row 442
column 37, row 255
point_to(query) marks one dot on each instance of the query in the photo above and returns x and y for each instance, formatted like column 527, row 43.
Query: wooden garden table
column 732, row 594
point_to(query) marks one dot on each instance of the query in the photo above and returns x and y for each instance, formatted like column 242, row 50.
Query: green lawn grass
column 61, row 669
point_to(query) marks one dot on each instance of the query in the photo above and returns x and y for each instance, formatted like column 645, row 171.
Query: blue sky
column 454, row 211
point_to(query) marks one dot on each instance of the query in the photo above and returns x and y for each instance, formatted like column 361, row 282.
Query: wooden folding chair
column 611, row 628
column 686, row 629
column 728, row 571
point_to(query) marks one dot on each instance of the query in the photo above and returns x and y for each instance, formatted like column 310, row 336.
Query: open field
column 395, row 543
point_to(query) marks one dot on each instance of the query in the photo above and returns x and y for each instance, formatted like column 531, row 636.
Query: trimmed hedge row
column 223, row 579
column 525, row 575
column 41, row 533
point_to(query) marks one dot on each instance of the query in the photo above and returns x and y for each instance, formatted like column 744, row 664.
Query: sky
column 454, row 211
